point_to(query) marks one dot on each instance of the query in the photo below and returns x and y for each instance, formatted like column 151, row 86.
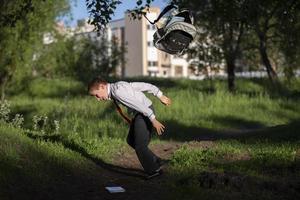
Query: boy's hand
column 158, row 126
column 165, row 100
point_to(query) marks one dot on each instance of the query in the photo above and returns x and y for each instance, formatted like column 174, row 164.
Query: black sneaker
column 156, row 173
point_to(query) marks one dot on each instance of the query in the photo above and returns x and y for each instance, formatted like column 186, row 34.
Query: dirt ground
column 81, row 184
column 132, row 177
column 127, row 172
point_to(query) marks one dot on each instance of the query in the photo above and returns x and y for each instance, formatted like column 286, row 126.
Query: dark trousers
column 139, row 137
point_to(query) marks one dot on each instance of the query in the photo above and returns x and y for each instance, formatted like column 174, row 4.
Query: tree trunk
column 3, row 84
column 4, row 80
column 231, row 47
column 230, row 73
column 265, row 59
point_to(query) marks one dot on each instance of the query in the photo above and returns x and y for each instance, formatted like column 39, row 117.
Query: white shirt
column 131, row 95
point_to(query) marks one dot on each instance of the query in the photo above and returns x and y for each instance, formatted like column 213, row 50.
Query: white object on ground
column 115, row 189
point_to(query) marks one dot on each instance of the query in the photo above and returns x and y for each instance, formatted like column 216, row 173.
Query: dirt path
column 128, row 174
column 90, row 183
column 129, row 159
column 125, row 171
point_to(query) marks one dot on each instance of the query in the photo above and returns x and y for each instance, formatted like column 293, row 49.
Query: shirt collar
column 108, row 91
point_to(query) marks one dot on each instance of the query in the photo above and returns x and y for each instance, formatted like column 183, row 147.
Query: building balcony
column 153, row 69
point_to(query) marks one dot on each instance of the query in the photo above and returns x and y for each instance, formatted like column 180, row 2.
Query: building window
column 150, row 44
column 153, row 74
column 151, row 27
column 178, row 70
column 152, row 63
column 166, row 56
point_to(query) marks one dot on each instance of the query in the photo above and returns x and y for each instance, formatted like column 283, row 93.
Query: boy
column 131, row 96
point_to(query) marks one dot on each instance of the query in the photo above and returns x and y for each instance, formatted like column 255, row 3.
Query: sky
column 79, row 10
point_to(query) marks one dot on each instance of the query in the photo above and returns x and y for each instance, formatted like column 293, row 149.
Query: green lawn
column 244, row 145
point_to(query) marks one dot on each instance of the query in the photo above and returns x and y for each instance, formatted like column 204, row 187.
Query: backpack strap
column 165, row 10
column 121, row 112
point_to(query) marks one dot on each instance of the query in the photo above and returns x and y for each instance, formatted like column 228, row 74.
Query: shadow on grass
column 31, row 171
column 180, row 132
column 234, row 185
column 280, row 91
column 46, row 179
column 237, row 123
column 82, row 151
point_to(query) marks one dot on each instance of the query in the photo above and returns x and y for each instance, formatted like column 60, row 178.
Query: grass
column 213, row 110
column 255, row 159
column 237, row 170
column 252, row 151
column 39, row 166
column 30, row 169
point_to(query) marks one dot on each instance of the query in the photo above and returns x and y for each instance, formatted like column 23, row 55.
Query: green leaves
column 101, row 11
column 23, row 33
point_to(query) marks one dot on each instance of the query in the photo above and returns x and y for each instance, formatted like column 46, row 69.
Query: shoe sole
column 156, row 174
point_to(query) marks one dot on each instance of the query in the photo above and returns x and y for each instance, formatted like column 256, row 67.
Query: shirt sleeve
column 146, row 87
column 129, row 100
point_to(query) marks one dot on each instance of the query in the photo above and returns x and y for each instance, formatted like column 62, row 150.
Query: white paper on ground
column 115, row 189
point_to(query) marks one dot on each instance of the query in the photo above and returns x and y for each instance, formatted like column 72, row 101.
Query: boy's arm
column 147, row 87
column 131, row 102
column 158, row 126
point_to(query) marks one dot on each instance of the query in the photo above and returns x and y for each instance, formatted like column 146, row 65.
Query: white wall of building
column 179, row 61
column 152, row 53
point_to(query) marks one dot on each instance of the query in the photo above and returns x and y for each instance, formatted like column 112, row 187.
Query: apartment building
column 142, row 58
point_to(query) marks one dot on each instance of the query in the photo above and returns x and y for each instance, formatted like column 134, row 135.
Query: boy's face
column 100, row 93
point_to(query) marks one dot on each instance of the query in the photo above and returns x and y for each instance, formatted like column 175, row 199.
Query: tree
column 266, row 26
column 22, row 28
column 13, row 11
column 290, row 40
column 101, row 57
column 58, row 58
column 222, row 24
column 205, row 54
column 102, row 10
column 266, row 18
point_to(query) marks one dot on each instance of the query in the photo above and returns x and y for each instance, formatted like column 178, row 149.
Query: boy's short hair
column 94, row 84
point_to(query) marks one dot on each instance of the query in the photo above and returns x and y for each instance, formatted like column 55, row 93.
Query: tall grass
column 229, row 168
column 195, row 103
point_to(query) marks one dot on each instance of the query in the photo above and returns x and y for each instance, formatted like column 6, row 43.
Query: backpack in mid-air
column 175, row 30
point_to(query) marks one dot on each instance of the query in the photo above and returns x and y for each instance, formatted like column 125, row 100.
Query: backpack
column 175, row 30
